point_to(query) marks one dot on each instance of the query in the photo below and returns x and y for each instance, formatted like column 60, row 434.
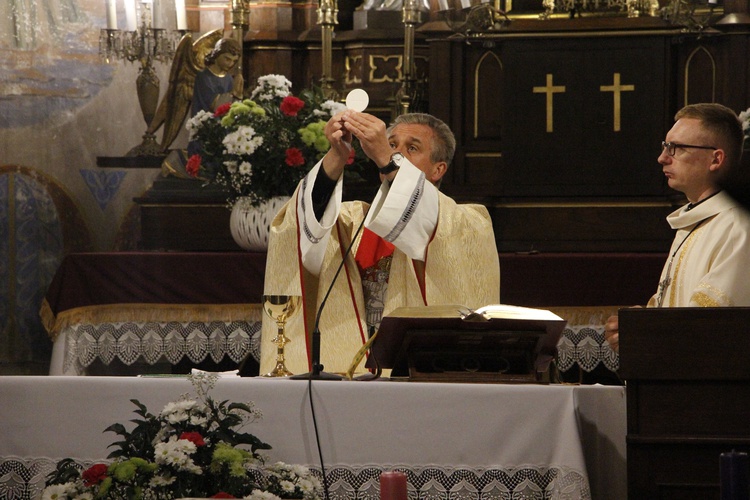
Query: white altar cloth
column 573, row 437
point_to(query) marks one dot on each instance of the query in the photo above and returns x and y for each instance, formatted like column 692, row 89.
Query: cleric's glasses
column 671, row 147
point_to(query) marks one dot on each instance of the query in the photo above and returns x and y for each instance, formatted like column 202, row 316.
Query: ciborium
column 280, row 308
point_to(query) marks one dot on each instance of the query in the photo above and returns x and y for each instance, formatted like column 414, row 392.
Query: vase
column 250, row 224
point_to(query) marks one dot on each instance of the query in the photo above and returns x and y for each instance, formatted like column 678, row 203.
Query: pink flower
column 291, row 105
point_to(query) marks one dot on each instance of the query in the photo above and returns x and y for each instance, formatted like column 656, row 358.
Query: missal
column 497, row 342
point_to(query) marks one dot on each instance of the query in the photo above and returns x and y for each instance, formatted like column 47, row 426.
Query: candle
column 111, row 14
column 393, row 486
column 179, row 7
column 130, row 20
column 734, row 476
column 156, row 14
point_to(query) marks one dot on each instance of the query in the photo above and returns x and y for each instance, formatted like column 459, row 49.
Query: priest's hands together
column 342, row 128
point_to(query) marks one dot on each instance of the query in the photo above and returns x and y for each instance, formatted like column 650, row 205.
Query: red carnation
column 221, row 494
column 294, row 157
column 193, row 165
column 352, row 154
column 222, row 110
column 291, row 105
column 94, row 474
column 193, row 437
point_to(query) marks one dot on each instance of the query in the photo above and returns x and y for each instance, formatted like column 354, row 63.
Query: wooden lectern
column 687, row 372
column 453, row 344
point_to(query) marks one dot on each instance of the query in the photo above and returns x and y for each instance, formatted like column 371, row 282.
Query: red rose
column 222, row 110
column 193, row 165
column 291, row 105
column 94, row 474
column 294, row 157
column 193, row 437
column 350, row 160
column 221, row 494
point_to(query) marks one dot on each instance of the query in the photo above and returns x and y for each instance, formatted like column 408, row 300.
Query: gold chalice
column 280, row 308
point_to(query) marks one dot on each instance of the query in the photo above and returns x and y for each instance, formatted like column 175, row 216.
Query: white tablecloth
column 457, row 437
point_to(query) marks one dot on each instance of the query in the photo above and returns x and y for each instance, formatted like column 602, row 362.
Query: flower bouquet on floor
column 193, row 448
column 261, row 147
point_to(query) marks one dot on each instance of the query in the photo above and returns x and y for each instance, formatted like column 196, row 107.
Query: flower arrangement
column 193, row 448
column 263, row 146
column 744, row 117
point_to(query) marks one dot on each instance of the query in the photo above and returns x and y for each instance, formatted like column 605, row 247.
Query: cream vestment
column 455, row 242
column 709, row 261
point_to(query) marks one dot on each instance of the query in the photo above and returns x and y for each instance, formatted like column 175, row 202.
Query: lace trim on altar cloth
column 585, row 346
column 154, row 342
column 23, row 479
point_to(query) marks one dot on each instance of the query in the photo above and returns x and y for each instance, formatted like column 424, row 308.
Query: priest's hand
column 341, row 146
column 612, row 332
column 371, row 132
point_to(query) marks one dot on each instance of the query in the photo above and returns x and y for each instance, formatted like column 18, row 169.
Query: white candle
column 130, row 20
column 156, row 14
column 179, row 7
column 111, row 14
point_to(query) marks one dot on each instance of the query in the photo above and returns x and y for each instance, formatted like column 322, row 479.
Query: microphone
column 317, row 372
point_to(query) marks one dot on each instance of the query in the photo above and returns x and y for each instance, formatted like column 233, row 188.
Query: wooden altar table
column 457, row 440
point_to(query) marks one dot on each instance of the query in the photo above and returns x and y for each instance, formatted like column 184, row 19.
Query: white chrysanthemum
column 745, row 119
column 161, row 480
column 245, row 168
column 58, row 491
column 194, row 123
column 176, row 453
column 330, row 108
column 287, row 486
column 261, row 495
column 243, row 141
column 87, row 495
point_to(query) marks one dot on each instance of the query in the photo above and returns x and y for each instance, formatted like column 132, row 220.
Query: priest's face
column 414, row 141
column 689, row 170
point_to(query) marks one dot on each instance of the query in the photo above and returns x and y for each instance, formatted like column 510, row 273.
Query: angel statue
column 200, row 79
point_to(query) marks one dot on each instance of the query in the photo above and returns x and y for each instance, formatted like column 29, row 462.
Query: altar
column 192, row 307
column 453, row 440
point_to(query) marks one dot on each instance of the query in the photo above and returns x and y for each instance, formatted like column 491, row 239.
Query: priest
column 416, row 246
column 709, row 259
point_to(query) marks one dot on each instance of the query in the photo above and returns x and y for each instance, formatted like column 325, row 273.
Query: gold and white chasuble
column 709, row 261
column 455, row 242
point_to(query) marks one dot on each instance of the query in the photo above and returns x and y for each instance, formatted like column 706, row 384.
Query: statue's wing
column 188, row 62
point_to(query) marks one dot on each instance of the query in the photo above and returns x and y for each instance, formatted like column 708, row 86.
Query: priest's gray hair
column 444, row 146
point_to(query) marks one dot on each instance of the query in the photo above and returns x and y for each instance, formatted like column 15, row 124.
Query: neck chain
column 664, row 284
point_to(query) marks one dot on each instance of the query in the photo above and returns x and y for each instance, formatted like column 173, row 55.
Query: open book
column 493, row 311
column 495, row 335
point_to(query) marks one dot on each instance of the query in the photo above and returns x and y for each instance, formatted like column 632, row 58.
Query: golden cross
column 550, row 90
column 616, row 90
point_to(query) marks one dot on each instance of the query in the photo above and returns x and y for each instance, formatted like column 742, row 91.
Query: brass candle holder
column 280, row 308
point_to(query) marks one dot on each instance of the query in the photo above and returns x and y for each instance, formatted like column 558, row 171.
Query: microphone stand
column 317, row 372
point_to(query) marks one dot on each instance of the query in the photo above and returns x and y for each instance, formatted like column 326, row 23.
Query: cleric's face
column 688, row 171
column 414, row 141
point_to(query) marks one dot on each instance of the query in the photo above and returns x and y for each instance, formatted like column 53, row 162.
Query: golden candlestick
column 280, row 308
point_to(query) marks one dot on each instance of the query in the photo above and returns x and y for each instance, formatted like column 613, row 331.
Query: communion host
column 417, row 247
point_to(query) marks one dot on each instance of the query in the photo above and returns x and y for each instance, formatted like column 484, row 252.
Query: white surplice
column 709, row 262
